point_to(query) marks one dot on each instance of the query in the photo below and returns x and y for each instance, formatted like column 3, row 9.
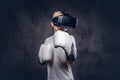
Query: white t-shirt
column 57, row 67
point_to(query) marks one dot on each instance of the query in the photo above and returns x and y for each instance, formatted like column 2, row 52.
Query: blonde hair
column 57, row 13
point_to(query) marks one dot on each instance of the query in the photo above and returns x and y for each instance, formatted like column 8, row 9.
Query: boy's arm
column 71, row 56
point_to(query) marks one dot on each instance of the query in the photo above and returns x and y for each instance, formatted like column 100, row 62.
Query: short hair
column 59, row 13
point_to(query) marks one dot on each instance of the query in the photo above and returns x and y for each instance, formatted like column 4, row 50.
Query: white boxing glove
column 45, row 53
column 62, row 39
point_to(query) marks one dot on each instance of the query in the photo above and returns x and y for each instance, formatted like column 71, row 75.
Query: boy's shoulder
column 49, row 39
column 72, row 36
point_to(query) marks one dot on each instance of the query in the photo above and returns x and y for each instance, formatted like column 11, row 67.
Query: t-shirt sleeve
column 45, row 53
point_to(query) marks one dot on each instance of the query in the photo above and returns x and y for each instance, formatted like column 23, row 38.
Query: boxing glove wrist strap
column 70, row 57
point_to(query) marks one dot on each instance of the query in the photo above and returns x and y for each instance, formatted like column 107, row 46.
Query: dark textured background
column 24, row 25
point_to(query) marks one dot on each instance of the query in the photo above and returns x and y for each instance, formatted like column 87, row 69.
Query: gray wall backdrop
column 25, row 24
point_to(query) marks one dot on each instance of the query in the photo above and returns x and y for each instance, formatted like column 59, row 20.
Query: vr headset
column 65, row 21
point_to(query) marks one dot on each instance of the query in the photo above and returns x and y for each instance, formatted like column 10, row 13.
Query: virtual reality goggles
column 65, row 21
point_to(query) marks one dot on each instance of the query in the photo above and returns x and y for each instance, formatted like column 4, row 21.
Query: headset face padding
column 65, row 21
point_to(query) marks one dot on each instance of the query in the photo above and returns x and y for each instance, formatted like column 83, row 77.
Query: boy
column 58, row 58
